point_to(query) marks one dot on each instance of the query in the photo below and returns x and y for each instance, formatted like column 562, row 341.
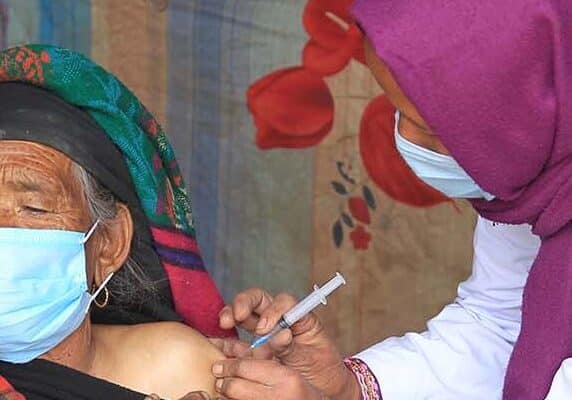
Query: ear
column 113, row 244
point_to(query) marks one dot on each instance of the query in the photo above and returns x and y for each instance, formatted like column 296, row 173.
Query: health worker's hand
column 305, row 347
column 251, row 379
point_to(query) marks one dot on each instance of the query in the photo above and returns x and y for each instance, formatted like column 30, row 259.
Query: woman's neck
column 77, row 351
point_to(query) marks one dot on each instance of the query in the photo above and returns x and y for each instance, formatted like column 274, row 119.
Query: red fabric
column 197, row 300
column 174, row 239
column 7, row 392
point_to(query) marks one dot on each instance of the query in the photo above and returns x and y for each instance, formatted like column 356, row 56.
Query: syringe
column 303, row 308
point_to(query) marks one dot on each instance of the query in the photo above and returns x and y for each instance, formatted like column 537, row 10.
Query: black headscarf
column 32, row 114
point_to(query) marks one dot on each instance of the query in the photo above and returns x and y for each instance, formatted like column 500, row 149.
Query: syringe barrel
column 333, row 284
column 306, row 305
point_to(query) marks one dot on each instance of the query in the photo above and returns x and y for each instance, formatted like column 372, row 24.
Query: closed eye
column 35, row 210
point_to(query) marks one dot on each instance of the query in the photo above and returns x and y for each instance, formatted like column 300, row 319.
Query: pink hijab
column 493, row 78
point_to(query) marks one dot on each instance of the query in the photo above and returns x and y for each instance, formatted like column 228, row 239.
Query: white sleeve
column 465, row 350
column 561, row 388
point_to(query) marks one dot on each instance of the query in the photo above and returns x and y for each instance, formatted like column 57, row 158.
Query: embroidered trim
column 368, row 382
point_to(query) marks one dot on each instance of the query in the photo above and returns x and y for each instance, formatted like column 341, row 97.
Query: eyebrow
column 23, row 185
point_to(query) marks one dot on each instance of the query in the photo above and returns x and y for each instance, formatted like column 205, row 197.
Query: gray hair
column 130, row 284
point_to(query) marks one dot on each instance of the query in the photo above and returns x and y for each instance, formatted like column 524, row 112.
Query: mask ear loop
column 106, row 280
column 90, row 232
column 99, row 289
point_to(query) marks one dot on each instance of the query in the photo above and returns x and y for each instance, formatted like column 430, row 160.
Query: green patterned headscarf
column 149, row 158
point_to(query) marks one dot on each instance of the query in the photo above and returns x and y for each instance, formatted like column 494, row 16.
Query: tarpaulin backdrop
column 314, row 186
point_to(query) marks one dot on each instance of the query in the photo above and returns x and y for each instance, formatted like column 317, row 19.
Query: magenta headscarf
column 493, row 78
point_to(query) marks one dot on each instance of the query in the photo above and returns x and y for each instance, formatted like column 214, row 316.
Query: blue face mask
column 439, row 171
column 43, row 290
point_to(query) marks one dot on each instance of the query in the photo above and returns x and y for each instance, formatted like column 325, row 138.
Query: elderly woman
column 93, row 212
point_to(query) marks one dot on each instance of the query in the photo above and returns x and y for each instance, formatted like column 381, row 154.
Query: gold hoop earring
column 102, row 305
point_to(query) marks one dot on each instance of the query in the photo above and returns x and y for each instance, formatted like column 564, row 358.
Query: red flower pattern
column 359, row 209
column 361, row 238
column 383, row 162
column 291, row 108
column 294, row 108
column 334, row 37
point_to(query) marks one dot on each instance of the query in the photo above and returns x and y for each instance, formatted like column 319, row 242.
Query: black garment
column 45, row 380
column 29, row 113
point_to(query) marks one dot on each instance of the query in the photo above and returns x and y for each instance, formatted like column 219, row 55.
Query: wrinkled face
column 411, row 125
column 39, row 189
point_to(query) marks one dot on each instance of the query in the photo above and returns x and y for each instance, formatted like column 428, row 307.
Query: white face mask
column 439, row 171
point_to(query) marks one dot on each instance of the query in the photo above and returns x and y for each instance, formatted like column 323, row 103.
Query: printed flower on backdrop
column 355, row 215
column 292, row 108
column 360, row 238
column 359, row 209
column 334, row 37
column 383, row 162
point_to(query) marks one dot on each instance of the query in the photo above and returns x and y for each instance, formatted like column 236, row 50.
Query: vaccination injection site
column 286, row 200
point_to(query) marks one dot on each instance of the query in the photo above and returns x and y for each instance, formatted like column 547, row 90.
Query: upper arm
column 185, row 360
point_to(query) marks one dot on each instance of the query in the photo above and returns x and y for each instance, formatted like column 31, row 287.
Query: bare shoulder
column 174, row 339
column 167, row 358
